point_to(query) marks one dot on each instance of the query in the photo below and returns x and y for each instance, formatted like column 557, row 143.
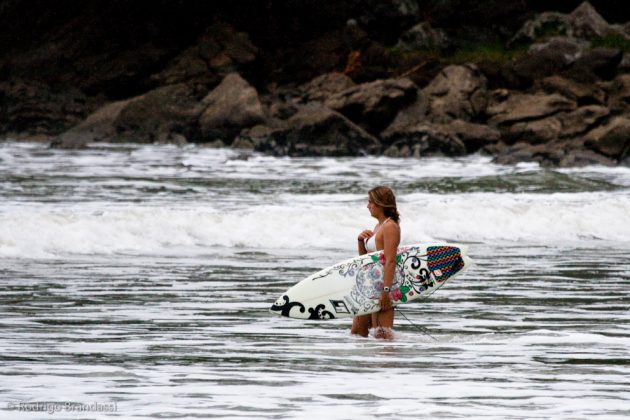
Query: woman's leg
column 361, row 325
column 384, row 323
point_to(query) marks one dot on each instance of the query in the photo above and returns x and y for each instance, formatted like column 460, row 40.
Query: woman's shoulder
column 391, row 226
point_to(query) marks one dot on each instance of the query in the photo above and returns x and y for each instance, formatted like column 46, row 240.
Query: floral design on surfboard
column 419, row 272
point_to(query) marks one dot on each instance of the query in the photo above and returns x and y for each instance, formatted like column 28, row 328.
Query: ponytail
column 384, row 197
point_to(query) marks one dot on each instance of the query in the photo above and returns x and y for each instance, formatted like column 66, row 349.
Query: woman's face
column 373, row 208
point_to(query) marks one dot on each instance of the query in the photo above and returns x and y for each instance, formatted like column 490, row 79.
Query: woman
column 385, row 237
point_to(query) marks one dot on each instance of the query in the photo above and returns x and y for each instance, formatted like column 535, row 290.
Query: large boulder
column 619, row 97
column 582, row 94
column 568, row 125
column 374, row 105
column 324, row 86
column 596, row 64
column 544, row 24
column 585, row 22
column 457, row 92
column 549, row 57
column 313, row 131
column 423, row 37
column 98, row 126
column 583, row 119
column 410, row 116
column 217, row 52
column 611, row 139
column 32, row 109
column 230, row 107
column 283, row 102
column 166, row 114
column 624, row 66
column 161, row 115
column 405, row 126
column 424, row 139
column 379, row 17
column 474, row 136
column 560, row 153
column 520, row 107
column 535, row 131
column 319, row 54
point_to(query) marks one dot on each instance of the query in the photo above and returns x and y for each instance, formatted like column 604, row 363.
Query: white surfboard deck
column 353, row 287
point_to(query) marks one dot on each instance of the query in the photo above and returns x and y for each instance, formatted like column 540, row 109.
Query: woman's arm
column 361, row 239
column 391, row 239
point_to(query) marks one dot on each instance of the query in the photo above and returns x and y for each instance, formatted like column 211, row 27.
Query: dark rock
column 598, row 63
column 582, row 94
column 520, row 107
column 585, row 22
column 282, row 109
column 611, row 139
column 70, row 59
column 423, row 37
column 164, row 115
column 482, row 20
column 405, row 149
column 323, row 87
column 374, row 105
column 33, row 108
column 474, row 136
column 578, row 122
column 584, row 157
column 410, row 116
column 555, row 154
column 619, row 96
column 281, row 102
column 98, row 126
column 544, row 24
column 624, row 66
column 161, row 115
column 284, row 102
column 219, row 51
column 315, row 131
column 255, row 137
column 326, row 53
column 458, row 92
column 217, row 144
column 231, row 106
column 549, row 57
column 518, row 152
column 380, row 17
column 536, row 131
column 424, row 139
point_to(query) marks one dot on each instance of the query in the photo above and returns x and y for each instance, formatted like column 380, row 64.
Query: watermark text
column 52, row 407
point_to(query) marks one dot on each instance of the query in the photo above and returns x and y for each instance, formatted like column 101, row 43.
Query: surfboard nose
column 283, row 307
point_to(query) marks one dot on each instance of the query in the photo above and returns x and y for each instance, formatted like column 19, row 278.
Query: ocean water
column 135, row 283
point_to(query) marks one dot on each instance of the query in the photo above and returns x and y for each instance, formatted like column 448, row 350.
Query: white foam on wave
column 52, row 230
column 133, row 160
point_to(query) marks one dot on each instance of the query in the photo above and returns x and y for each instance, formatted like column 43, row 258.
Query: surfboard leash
column 419, row 328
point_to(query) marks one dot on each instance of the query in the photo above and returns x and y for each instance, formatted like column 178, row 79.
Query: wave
column 57, row 230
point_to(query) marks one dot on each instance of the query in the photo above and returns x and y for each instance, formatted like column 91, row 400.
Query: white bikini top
column 370, row 243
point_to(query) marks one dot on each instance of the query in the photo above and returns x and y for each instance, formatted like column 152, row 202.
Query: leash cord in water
column 419, row 328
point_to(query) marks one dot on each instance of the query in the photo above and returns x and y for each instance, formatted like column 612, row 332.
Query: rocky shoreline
column 563, row 99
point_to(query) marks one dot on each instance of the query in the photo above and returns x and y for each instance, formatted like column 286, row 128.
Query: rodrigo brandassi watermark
column 52, row 407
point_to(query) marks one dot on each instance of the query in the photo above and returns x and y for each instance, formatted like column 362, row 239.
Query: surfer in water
column 385, row 237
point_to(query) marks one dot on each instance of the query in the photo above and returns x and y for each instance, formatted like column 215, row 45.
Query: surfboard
column 353, row 287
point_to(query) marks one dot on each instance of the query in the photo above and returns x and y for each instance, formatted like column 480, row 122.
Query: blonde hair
column 384, row 197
